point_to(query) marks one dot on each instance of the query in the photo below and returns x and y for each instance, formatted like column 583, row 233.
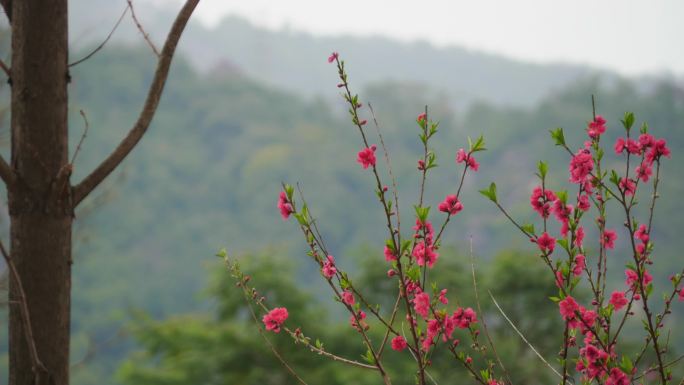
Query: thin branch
column 146, row 36
column 523, row 338
column 99, row 47
column 36, row 363
column 6, row 173
column 5, row 68
column 85, row 133
column 154, row 94
column 479, row 310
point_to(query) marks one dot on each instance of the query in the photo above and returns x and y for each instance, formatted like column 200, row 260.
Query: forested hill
column 295, row 60
column 208, row 173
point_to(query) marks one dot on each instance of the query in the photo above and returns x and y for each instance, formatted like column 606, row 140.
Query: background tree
column 40, row 195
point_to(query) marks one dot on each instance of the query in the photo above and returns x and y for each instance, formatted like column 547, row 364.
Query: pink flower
column 361, row 315
column 442, row 296
column 275, row 318
column 619, row 146
column 329, row 270
column 608, row 240
column 644, row 171
column 333, row 57
column 539, row 200
column 659, row 149
column 366, row 157
column 628, row 186
column 284, row 205
column 421, row 303
column 568, row 307
column 633, row 278
column 546, row 243
column 579, row 236
column 462, row 156
column 596, row 127
column 646, row 140
column 581, row 165
column 580, row 264
column 421, row 118
column 681, row 295
column 425, row 254
column 633, row 147
column 618, row 300
column 399, row 343
column 348, row 297
column 464, row 317
column 450, row 205
column 583, row 203
column 642, row 234
column 617, row 377
column 389, row 254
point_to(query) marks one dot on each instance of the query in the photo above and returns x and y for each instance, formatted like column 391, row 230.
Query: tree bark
column 40, row 204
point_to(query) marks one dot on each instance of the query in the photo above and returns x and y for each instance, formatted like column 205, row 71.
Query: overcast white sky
column 632, row 37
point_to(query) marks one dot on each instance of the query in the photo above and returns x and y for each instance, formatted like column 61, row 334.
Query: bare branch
column 154, row 94
column 99, row 47
column 146, row 36
column 525, row 339
column 6, row 173
column 36, row 363
column 5, row 68
column 7, row 7
column 80, row 142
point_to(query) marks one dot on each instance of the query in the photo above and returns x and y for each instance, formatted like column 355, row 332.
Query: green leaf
column 628, row 121
column 543, row 169
column 558, row 136
column 490, row 193
column 222, row 253
column 644, row 128
column 422, row 213
column 528, row 227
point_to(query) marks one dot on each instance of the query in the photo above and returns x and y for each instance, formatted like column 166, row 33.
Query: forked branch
column 145, row 118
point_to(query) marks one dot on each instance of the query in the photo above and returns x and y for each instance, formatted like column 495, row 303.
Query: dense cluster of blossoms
column 428, row 316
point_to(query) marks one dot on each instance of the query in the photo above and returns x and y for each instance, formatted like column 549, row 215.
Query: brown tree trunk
column 40, row 199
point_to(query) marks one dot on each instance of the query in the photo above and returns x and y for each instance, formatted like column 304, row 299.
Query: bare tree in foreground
column 41, row 196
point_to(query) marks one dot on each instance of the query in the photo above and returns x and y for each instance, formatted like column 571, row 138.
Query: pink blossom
column 596, row 127
column 546, row 243
column 581, row 165
column 659, row 149
column 329, row 270
column 583, row 203
column 333, row 57
column 389, row 254
column 361, row 315
column 580, row 264
column 284, row 205
column 579, row 236
column 275, row 318
column 348, row 297
column 617, row 377
column 442, row 296
column 633, row 147
column 681, row 295
column 421, row 117
column 608, row 239
column 633, row 278
column 568, row 307
column 366, row 157
column 539, row 200
column 644, row 171
column 462, row 156
column 421, row 303
column 619, row 146
column 618, row 300
column 646, row 140
column 425, row 254
column 399, row 343
column 464, row 317
column 642, row 233
column 451, row 205
column 628, row 186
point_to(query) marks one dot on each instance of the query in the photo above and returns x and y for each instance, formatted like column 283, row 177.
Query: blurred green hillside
column 209, row 171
